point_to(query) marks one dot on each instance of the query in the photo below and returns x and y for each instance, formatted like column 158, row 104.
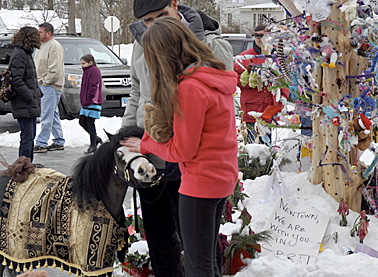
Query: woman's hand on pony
column 133, row 143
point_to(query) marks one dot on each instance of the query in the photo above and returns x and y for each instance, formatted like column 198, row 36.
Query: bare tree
column 15, row 4
column 207, row 6
column 71, row 17
column 50, row 4
column 123, row 10
column 90, row 18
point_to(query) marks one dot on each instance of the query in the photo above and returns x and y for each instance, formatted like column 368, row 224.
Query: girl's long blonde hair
column 169, row 48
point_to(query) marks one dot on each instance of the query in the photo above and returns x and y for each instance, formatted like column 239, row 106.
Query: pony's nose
column 152, row 169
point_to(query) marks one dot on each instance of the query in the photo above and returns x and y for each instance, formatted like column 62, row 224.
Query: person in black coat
column 26, row 104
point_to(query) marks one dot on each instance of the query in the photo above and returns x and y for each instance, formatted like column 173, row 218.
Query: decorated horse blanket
column 40, row 225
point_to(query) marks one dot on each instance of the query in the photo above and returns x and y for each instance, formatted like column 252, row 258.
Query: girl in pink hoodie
column 196, row 93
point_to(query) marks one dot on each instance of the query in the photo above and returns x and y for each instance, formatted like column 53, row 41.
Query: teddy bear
column 328, row 53
column 360, row 126
column 156, row 124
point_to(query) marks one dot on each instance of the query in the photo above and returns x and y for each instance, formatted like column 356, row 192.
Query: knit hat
column 364, row 123
column 143, row 7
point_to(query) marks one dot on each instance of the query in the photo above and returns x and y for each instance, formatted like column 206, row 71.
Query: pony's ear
column 108, row 134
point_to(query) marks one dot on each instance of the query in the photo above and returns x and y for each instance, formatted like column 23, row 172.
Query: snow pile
column 74, row 134
column 258, row 150
column 332, row 261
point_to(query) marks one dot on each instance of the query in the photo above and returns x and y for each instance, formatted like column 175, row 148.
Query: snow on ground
column 74, row 134
column 330, row 263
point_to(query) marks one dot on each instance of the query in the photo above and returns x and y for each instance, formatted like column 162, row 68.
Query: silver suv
column 115, row 73
column 239, row 42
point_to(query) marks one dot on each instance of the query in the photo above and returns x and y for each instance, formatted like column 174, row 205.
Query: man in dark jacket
column 27, row 100
column 160, row 203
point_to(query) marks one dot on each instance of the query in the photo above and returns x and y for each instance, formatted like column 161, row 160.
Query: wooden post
column 333, row 82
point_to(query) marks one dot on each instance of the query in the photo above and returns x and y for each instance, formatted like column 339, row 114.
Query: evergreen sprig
column 247, row 242
column 137, row 260
column 237, row 195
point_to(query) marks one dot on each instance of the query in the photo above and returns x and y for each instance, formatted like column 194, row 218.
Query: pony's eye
column 120, row 154
column 140, row 170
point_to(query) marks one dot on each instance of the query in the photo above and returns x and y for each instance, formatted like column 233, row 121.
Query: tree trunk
column 71, row 17
column 90, row 18
column 333, row 82
column 50, row 4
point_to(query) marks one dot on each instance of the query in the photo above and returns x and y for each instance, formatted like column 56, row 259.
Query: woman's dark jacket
column 27, row 102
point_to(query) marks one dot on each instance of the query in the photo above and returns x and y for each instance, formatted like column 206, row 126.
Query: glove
column 253, row 80
column 244, row 78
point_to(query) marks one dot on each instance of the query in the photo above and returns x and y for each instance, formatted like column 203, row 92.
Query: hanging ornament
column 336, row 121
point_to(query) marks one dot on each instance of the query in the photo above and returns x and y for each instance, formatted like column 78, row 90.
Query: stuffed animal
column 328, row 53
column 155, row 123
column 360, row 126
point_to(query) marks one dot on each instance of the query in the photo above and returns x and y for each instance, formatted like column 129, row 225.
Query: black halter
column 127, row 175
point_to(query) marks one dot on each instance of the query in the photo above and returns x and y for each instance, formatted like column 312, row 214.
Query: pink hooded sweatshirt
column 205, row 141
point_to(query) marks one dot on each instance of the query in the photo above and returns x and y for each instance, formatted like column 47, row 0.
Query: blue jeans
column 50, row 121
column 28, row 129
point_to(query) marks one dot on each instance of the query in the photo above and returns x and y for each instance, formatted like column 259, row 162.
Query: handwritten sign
column 297, row 232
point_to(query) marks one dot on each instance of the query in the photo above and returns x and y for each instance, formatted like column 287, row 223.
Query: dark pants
column 160, row 219
column 88, row 123
column 28, row 131
column 200, row 220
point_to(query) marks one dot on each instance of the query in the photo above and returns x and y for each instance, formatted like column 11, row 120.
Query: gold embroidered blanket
column 40, row 225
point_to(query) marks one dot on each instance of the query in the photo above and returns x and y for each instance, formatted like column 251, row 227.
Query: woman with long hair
column 26, row 104
column 195, row 93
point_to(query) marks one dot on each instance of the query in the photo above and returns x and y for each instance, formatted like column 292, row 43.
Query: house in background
column 242, row 16
column 12, row 20
column 253, row 15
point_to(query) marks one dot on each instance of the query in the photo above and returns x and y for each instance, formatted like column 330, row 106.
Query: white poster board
column 297, row 232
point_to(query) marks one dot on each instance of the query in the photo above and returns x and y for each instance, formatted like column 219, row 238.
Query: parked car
column 116, row 82
column 239, row 42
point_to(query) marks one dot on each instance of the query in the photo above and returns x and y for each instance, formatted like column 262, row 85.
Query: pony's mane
column 92, row 173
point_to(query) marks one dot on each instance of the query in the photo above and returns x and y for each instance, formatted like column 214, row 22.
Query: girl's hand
column 133, row 143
